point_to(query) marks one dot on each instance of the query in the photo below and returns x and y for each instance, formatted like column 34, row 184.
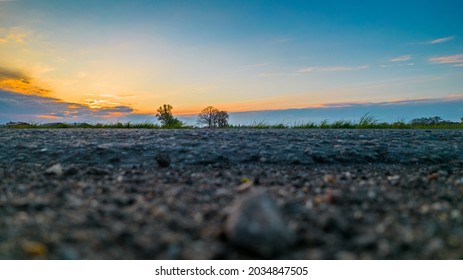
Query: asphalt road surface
column 231, row 194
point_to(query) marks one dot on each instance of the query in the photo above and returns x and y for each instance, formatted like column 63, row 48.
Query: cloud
column 396, row 65
column 13, row 35
column 21, row 98
column 113, row 111
column 395, row 102
column 332, row 69
column 17, row 81
column 451, row 59
column 278, row 75
column 442, row 40
column 256, row 65
column 11, row 74
column 401, row 58
column 22, row 107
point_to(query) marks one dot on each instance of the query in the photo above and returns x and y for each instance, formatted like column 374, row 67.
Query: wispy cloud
column 396, row 65
column 442, row 40
column 401, row 58
column 332, row 69
column 451, row 59
column 392, row 102
column 278, row 74
column 257, row 65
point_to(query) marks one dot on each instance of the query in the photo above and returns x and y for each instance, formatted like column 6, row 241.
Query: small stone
column 55, row 169
column 34, row 249
column 244, row 187
column 333, row 196
column 394, row 179
column 71, row 171
column 346, row 176
column 329, row 179
column 333, row 221
column 345, row 255
column 163, row 160
column 433, row 177
column 455, row 214
column 256, row 225
column 365, row 241
column 317, row 200
column 434, row 245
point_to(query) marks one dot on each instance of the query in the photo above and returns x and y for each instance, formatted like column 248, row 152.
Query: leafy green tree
column 166, row 118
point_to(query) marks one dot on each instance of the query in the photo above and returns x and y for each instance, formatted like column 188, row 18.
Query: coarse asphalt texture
column 231, row 194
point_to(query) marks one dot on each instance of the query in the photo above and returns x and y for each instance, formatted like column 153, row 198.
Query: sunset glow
column 122, row 58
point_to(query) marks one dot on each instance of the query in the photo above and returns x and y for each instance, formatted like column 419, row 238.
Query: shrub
column 166, row 118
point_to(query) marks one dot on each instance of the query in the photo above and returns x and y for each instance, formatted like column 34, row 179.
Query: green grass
column 367, row 121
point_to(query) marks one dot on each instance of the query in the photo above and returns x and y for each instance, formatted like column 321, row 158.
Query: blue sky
column 120, row 60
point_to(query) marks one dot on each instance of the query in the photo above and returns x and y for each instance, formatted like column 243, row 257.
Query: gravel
column 228, row 194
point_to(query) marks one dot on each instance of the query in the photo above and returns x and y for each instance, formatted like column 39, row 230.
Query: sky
column 279, row 61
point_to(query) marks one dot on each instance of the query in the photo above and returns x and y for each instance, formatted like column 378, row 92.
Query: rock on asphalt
column 191, row 194
column 256, row 225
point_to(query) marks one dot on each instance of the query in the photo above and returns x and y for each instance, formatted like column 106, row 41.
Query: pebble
column 163, row 160
column 256, row 225
column 55, row 169
column 329, row 179
column 34, row 249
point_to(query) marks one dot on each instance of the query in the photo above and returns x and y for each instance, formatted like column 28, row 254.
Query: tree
column 166, row 118
column 207, row 116
column 222, row 119
column 212, row 117
column 427, row 121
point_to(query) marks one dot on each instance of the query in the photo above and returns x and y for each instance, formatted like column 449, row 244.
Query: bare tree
column 212, row 117
column 222, row 119
column 207, row 116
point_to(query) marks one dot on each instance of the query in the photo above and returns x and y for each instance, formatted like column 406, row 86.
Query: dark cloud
column 12, row 74
column 25, row 107
column 112, row 110
column 17, row 81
